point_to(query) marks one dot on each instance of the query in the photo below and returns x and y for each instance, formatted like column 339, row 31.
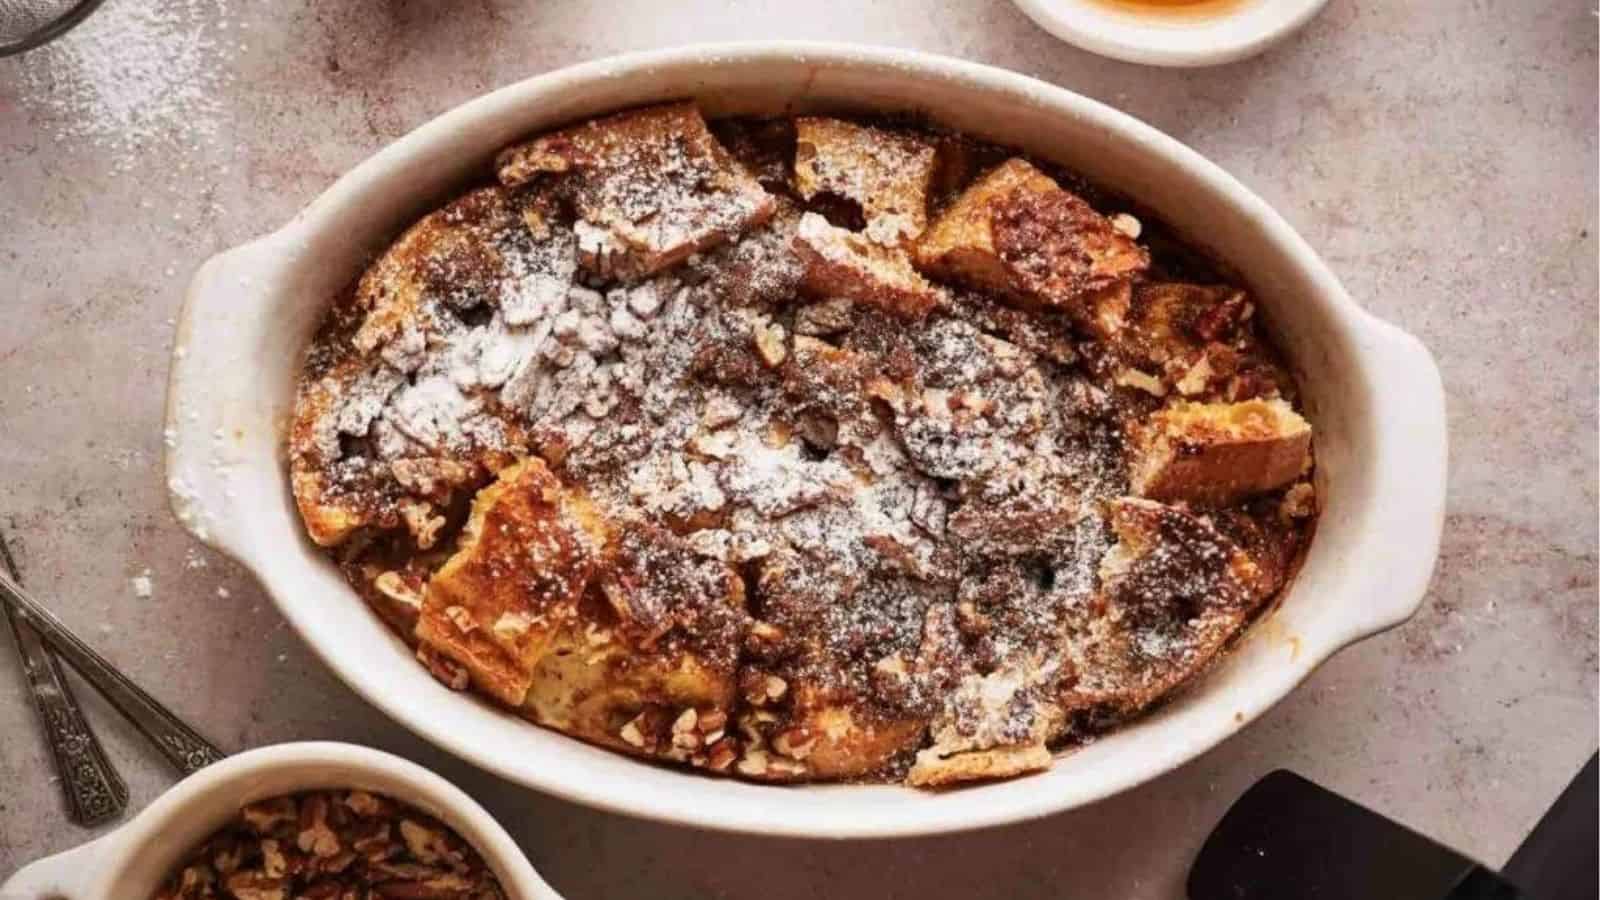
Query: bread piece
column 330, row 513
column 1187, row 339
column 1173, row 321
column 1173, row 591
column 935, row 770
column 1217, row 453
column 663, row 640
column 824, row 385
column 592, row 684
column 992, row 726
column 585, row 628
column 339, row 491
column 842, row 263
column 886, row 173
column 651, row 186
column 1017, row 233
column 529, row 551
column 376, row 340
column 1028, row 521
column 824, row 735
column 759, row 270
column 968, row 403
column 453, row 254
column 664, row 593
column 813, row 714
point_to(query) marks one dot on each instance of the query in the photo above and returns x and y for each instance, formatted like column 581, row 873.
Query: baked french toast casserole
column 803, row 449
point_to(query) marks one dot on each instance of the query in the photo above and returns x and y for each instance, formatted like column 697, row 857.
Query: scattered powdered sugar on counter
column 135, row 76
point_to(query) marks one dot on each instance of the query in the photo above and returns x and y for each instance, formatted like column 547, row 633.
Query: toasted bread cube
column 935, row 770
column 817, row 725
column 1170, row 323
column 589, row 680
column 842, row 263
column 526, row 524
column 328, row 522
column 1026, row 522
column 444, row 252
column 443, row 255
column 1173, row 591
column 651, row 186
column 886, row 173
column 547, row 608
column 995, row 725
column 845, row 741
column 1217, row 453
column 1018, row 233
column 616, row 661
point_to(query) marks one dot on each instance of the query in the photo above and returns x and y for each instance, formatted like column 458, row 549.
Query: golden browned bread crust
column 369, row 358
column 995, row 725
column 653, row 668
column 499, row 627
column 651, row 187
column 600, row 627
column 886, row 173
column 932, row 770
column 1018, row 233
column 842, row 263
column 1173, row 591
column 1217, row 453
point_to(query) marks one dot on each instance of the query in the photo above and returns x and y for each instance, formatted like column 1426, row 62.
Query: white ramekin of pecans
column 306, row 820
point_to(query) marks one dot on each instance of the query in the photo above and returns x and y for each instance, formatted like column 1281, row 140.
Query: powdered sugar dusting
column 137, row 76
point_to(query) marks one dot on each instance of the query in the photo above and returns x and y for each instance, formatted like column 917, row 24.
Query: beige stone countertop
column 1441, row 155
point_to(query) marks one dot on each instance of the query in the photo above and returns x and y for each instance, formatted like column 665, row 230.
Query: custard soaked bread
column 802, row 450
column 650, row 186
column 888, row 174
column 1018, row 234
column 847, row 264
column 1219, row 452
column 371, row 383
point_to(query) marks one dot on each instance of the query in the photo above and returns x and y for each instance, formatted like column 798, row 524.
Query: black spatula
column 1288, row 839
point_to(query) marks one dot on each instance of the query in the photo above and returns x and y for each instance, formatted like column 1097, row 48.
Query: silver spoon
column 186, row 750
column 95, row 793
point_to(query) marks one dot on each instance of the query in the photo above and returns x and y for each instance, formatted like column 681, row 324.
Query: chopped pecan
column 257, row 886
column 332, row 845
column 266, row 815
column 451, row 673
column 315, row 836
column 1223, row 319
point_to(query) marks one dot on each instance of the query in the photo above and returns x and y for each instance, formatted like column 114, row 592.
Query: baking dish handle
column 1401, row 542
column 216, row 393
column 67, row 875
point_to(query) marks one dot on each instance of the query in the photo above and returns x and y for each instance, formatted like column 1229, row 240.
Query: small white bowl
column 130, row 862
column 1172, row 39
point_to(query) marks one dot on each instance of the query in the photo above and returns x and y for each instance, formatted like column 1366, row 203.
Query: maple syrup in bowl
column 1177, row 10
column 1172, row 32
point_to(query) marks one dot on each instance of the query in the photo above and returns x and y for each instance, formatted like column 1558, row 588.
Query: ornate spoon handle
column 186, row 750
column 95, row 793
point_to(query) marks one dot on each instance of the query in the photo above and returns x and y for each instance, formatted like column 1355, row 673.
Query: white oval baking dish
column 130, row 862
column 1372, row 391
